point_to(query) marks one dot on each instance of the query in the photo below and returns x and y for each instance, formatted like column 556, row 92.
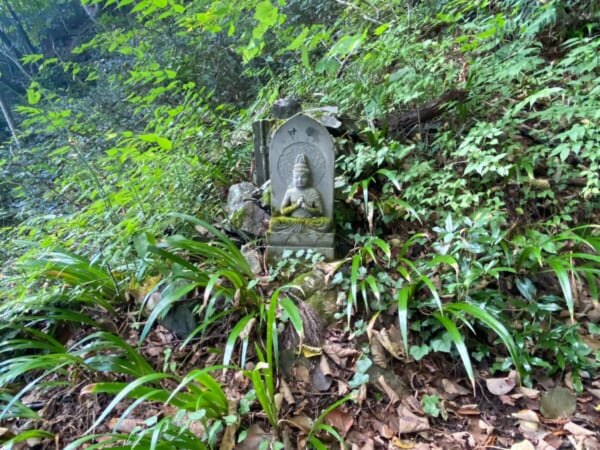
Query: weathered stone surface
column 250, row 219
column 284, row 108
column 238, row 195
column 245, row 212
column 318, row 294
column 253, row 257
column 261, row 129
column 301, row 161
column 325, row 303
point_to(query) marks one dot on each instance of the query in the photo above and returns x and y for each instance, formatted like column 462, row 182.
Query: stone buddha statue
column 301, row 209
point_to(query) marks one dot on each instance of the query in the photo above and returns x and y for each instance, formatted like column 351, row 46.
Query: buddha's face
column 300, row 179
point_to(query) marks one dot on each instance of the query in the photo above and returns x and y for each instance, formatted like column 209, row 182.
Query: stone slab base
column 310, row 239
column 275, row 252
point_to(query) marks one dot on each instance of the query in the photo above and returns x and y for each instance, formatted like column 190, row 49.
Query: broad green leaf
column 34, row 94
column 266, row 13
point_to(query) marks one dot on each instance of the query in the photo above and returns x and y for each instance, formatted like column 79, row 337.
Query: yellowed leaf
column 309, row 352
column 400, row 444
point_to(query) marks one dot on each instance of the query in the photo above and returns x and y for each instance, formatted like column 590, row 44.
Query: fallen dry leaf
column 594, row 392
column 453, row 389
column 378, row 353
column 469, row 410
column 337, row 351
column 577, row 430
column 528, row 420
column 360, row 441
column 391, row 393
column 528, row 392
column 391, row 341
column 523, row 445
column 339, row 420
column 303, row 423
column 502, row 386
column 125, row 425
column 467, row 440
column 409, row 422
column 285, row 390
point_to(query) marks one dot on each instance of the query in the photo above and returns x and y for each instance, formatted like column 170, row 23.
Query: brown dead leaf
column 467, row 440
column 528, row 392
column 339, row 420
column 286, row 392
column 361, row 395
column 577, row 430
column 528, row 420
column 337, row 352
column 360, row 441
column 507, row 400
column 502, row 386
column 324, row 365
column 329, row 268
column 409, row 422
column 391, row 341
column 391, row 393
column 469, row 410
column 125, row 425
column 301, row 374
column 594, row 392
column 453, row 389
column 377, row 351
column 386, row 431
column 303, row 423
column 523, row 445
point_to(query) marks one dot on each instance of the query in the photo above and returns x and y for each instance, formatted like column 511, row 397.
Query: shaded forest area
column 462, row 311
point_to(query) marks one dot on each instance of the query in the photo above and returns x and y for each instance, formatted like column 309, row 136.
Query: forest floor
column 422, row 405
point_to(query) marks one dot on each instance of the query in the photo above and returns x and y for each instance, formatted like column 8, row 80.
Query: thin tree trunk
column 6, row 112
column 20, row 29
column 9, row 45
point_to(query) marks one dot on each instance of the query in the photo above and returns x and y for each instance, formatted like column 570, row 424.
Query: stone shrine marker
column 301, row 165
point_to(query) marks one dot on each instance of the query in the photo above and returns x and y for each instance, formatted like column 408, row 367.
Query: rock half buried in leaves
column 558, row 402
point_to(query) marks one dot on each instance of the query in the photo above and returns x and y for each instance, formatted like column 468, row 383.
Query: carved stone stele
column 301, row 162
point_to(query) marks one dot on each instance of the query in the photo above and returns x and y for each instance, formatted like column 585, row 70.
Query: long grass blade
column 489, row 320
column 459, row 342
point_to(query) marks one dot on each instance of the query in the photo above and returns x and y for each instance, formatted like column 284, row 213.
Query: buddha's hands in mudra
column 300, row 203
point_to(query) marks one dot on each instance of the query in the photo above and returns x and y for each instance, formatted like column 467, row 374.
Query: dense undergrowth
column 478, row 229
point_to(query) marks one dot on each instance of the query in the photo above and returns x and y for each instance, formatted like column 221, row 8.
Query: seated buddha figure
column 301, row 208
